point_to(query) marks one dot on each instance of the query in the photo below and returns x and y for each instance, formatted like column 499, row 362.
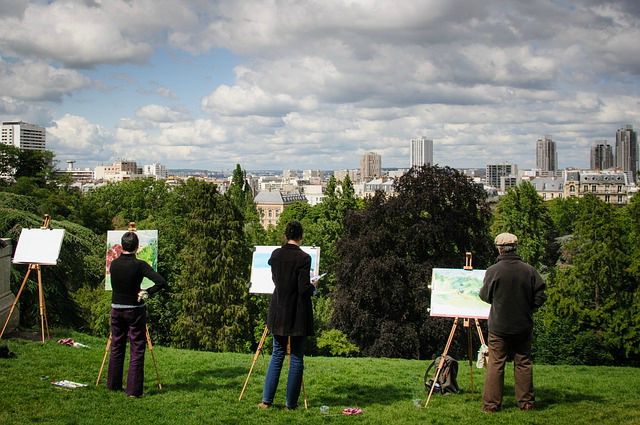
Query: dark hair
column 130, row 242
column 294, row 231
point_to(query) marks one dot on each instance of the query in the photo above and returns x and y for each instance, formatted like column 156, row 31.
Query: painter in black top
column 128, row 315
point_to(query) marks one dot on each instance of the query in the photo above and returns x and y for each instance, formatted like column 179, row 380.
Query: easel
column 255, row 358
column 466, row 324
column 132, row 228
column 43, row 309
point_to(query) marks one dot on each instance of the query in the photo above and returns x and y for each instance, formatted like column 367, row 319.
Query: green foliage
column 241, row 196
column 94, row 306
column 336, row 342
column 563, row 212
column 388, row 252
column 523, row 212
column 80, row 264
column 595, row 291
column 212, row 290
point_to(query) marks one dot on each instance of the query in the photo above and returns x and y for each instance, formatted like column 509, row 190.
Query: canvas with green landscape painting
column 456, row 293
column 147, row 251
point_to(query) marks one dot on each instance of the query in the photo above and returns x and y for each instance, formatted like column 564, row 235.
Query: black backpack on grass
column 447, row 378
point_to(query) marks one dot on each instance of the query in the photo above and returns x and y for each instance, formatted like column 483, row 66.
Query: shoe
column 135, row 396
column 527, row 406
column 263, row 406
column 490, row 409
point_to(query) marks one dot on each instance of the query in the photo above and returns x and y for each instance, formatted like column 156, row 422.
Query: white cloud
column 33, row 80
column 160, row 114
column 74, row 137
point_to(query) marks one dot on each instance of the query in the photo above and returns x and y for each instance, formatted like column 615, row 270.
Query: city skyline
column 276, row 85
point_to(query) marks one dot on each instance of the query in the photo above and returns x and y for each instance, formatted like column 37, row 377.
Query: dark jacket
column 127, row 273
column 290, row 311
column 515, row 290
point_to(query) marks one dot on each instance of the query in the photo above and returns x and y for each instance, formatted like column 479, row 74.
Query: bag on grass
column 447, row 378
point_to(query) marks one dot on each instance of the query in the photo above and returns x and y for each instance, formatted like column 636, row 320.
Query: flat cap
column 506, row 239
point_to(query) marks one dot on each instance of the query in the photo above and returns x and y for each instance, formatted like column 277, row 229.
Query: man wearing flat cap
column 515, row 290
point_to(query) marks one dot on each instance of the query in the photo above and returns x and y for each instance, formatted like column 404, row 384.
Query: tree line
column 378, row 254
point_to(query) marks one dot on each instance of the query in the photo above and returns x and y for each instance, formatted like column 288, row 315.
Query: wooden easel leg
column 41, row 305
column 153, row 357
column 104, row 359
column 15, row 302
column 255, row 358
column 480, row 335
column 444, row 354
column 469, row 352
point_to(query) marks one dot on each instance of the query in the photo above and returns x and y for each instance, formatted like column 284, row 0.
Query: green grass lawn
column 203, row 387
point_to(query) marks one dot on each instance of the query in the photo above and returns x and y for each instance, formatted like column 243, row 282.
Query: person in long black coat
column 290, row 317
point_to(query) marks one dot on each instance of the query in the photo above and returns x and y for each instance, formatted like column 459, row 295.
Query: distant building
column 23, row 135
column 548, row 187
column 496, row 173
column 421, row 152
column 76, row 175
column 370, row 166
column 380, row 184
column 271, row 204
column 156, row 170
column 312, row 174
column 627, row 151
column 546, row 156
column 118, row 171
column 354, row 175
column 601, row 156
column 612, row 187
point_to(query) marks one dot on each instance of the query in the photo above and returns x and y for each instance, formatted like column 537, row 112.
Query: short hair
column 503, row 249
column 130, row 242
column 294, row 231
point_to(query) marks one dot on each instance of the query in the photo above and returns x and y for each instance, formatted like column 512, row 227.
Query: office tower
column 546, row 157
column 421, row 152
column 601, row 155
column 495, row 172
column 23, row 135
column 627, row 151
column 370, row 166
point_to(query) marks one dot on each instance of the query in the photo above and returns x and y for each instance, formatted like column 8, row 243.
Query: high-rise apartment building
column 421, row 152
column 501, row 175
column 156, row 170
column 601, row 156
column 627, row 151
column 546, row 156
column 23, row 135
column 370, row 166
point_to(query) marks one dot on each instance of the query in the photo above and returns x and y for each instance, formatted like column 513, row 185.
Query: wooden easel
column 43, row 309
column 132, row 228
column 466, row 324
column 255, row 358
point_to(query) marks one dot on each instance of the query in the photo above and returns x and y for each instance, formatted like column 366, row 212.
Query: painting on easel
column 261, row 281
column 147, row 251
column 455, row 293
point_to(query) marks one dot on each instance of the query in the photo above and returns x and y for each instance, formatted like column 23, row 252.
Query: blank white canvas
column 39, row 246
column 261, row 281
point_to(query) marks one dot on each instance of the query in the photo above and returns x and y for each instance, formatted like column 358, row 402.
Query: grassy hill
column 203, row 387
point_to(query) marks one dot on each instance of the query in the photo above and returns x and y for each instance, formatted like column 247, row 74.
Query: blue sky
column 314, row 85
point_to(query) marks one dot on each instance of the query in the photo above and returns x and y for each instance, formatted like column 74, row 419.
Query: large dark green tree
column 215, row 263
column 523, row 212
column 388, row 252
column 595, row 292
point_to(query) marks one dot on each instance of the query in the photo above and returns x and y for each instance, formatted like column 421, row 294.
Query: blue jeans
column 296, row 367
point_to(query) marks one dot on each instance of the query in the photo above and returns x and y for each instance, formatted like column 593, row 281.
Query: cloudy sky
column 315, row 84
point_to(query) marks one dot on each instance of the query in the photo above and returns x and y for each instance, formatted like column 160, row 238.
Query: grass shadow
column 547, row 397
column 209, row 379
column 359, row 394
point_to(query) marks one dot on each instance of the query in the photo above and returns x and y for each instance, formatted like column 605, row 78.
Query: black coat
column 290, row 311
column 515, row 290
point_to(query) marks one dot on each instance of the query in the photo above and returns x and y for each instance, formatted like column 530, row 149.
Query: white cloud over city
column 317, row 84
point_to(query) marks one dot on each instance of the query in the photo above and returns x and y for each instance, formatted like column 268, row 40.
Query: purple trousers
column 131, row 323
